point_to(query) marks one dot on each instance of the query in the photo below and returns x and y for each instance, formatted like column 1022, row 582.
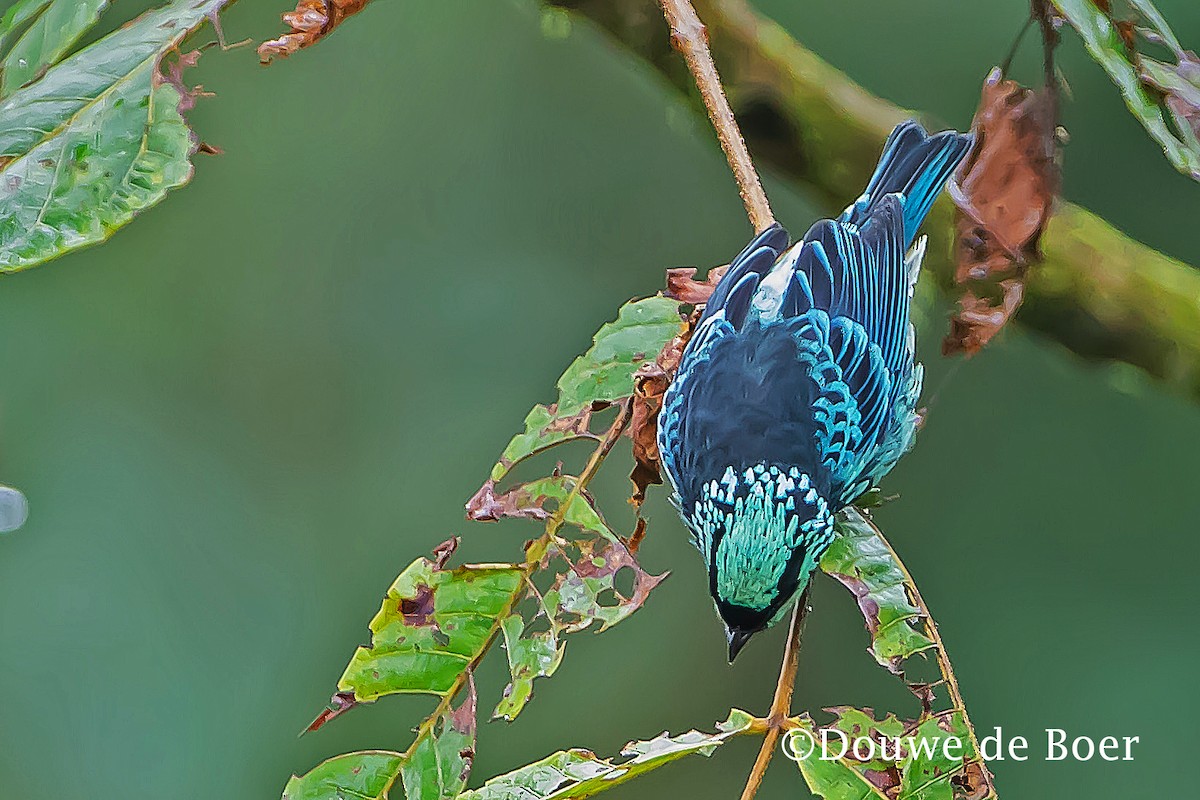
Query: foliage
column 570, row 774
column 904, row 761
column 436, row 623
column 100, row 135
column 90, row 139
column 1165, row 98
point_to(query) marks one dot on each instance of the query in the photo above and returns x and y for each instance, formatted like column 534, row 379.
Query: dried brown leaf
column 1005, row 189
column 1004, row 193
column 978, row 319
column 650, row 382
column 683, row 286
column 311, row 21
column 339, row 704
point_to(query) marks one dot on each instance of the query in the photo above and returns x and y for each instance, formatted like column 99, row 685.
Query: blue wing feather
column 829, row 378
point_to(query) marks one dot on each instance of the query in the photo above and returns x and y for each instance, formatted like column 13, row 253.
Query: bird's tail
column 916, row 166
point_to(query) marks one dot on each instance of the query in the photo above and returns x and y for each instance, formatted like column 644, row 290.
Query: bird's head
column 760, row 530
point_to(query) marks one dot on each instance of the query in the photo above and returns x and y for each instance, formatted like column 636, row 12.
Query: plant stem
column 690, row 38
column 781, row 705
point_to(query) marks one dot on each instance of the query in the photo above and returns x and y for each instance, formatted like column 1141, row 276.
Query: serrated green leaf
column 1104, row 44
column 570, row 774
column 531, row 654
column 431, row 626
column 56, row 26
column 96, row 140
column 544, row 428
column 862, row 562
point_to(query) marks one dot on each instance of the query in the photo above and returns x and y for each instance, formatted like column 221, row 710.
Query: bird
column 798, row 389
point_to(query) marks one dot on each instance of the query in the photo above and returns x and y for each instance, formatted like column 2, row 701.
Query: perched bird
column 798, row 389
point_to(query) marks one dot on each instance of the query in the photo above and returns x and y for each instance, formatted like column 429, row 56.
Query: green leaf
column 601, row 376
column 97, row 139
column 1104, row 44
column 432, row 625
column 572, row 774
column 366, row 774
column 864, row 564
column 544, row 428
column 931, row 760
column 437, row 768
column 604, row 374
column 531, row 654
column 56, row 26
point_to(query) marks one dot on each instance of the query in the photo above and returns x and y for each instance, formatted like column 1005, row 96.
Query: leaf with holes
column 529, row 501
column 861, row 561
column 433, row 625
column 581, row 594
column 96, row 139
column 570, row 774
column 585, row 592
column 602, row 376
column 531, row 654
column 934, row 759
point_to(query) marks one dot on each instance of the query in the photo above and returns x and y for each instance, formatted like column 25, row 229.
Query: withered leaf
column 529, row 500
column 1004, row 193
column 309, row 22
column 1005, row 189
column 649, row 383
column 683, row 286
column 978, row 319
column 580, row 595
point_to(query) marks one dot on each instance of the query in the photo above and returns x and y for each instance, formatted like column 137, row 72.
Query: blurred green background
column 237, row 421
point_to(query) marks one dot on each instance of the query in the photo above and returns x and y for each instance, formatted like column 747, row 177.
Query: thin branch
column 690, row 38
column 781, row 706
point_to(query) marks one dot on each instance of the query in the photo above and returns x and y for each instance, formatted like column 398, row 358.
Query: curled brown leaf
column 1004, row 193
column 1005, row 189
column 683, row 286
column 978, row 319
column 309, row 22
column 650, row 382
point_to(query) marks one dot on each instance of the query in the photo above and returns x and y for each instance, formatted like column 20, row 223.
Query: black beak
column 737, row 640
